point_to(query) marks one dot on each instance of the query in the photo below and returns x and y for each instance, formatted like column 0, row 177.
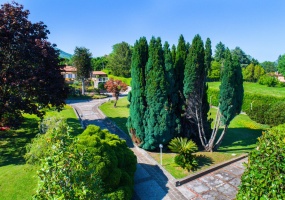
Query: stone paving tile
column 141, row 173
column 235, row 182
column 186, row 192
column 234, row 170
column 197, row 186
column 213, row 195
column 240, row 163
column 211, row 181
column 224, row 175
column 228, row 190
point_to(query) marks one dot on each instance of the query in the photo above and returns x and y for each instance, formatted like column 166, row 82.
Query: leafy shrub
column 113, row 161
column 52, row 129
column 275, row 115
column 184, row 148
column 268, row 80
column 264, row 177
column 67, row 172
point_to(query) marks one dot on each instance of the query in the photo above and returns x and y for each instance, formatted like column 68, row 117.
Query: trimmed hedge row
column 213, row 98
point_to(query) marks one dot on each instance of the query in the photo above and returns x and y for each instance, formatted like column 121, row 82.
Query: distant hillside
column 63, row 54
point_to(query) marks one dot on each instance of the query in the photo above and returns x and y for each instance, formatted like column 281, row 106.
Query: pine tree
column 156, row 96
column 137, row 96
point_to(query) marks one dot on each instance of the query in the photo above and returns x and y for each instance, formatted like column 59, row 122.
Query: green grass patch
column 123, row 79
column 255, row 88
column 120, row 114
column 205, row 160
column 17, row 179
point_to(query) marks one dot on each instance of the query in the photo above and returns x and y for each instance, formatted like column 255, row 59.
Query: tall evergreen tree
column 156, row 95
column 173, row 53
column 231, row 92
column 137, row 95
column 173, row 121
column 180, row 59
column 195, row 87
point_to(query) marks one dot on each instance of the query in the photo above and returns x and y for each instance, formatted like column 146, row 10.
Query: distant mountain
column 63, row 54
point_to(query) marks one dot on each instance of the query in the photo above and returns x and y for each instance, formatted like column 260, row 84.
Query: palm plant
column 184, row 148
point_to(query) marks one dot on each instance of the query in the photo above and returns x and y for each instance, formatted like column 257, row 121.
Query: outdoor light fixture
column 160, row 146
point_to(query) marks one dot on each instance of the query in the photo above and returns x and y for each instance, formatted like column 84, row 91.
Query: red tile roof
column 69, row 69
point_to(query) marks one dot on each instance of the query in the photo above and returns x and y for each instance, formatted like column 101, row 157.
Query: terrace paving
column 152, row 182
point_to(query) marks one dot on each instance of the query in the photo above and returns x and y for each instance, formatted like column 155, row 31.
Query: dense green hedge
column 213, row 95
column 264, row 177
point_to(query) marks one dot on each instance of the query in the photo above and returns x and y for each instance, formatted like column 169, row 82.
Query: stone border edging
column 196, row 175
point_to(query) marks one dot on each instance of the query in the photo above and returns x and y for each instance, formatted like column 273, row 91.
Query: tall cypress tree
column 231, row 92
column 195, row 88
column 156, row 95
column 180, row 60
column 137, row 95
column 173, row 121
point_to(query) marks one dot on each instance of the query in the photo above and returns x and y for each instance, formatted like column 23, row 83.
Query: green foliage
column 268, row 80
column 281, row 65
column 137, row 98
column 275, row 115
column 52, row 129
column 99, row 63
column 67, row 172
column 252, row 73
column 215, row 71
column 119, row 61
column 265, row 172
column 185, row 149
column 82, row 62
column 156, row 97
column 220, row 52
column 243, row 59
column 30, row 74
column 269, row 66
column 112, row 160
column 231, row 89
column 258, row 112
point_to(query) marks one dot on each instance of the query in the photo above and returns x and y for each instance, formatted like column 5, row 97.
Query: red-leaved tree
column 115, row 87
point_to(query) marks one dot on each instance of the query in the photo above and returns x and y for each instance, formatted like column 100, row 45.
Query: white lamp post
column 160, row 146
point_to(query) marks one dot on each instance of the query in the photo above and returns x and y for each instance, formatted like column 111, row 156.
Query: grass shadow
column 13, row 142
column 203, row 161
column 240, row 140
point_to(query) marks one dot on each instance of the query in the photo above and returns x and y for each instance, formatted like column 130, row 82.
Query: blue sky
column 256, row 26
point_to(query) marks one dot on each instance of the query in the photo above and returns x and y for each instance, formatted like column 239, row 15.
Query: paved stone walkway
column 152, row 182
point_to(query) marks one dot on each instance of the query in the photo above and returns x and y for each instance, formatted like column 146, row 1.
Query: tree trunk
column 83, row 86
column 217, row 145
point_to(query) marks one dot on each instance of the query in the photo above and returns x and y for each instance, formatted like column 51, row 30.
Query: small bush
column 184, row 148
column 275, row 115
column 264, row 177
column 270, row 81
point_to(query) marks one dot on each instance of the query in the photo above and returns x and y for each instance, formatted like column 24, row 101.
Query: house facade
column 69, row 73
column 99, row 77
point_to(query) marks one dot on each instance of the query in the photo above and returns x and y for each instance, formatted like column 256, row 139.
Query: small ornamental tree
column 115, row 87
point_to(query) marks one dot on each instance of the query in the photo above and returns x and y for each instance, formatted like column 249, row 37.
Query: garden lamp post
column 160, row 146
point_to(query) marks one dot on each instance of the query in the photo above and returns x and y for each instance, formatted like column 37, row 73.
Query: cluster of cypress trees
column 168, row 96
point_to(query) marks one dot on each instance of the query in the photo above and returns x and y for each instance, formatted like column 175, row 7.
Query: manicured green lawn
column 119, row 114
column 17, row 179
column 255, row 88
